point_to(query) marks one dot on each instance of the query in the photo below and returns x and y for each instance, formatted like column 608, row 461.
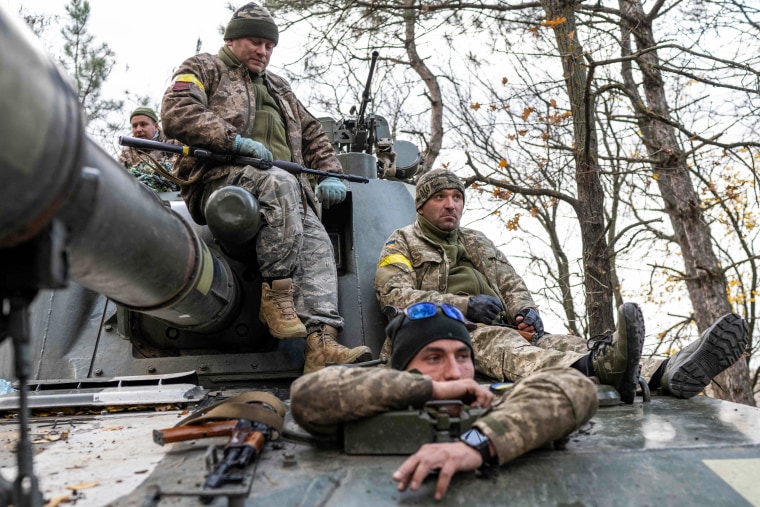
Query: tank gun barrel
column 121, row 239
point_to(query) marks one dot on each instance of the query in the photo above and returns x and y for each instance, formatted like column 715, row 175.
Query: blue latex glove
column 532, row 318
column 331, row 191
column 250, row 148
column 483, row 308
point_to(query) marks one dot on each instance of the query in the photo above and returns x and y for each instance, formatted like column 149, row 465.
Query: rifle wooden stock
column 232, row 159
column 194, row 432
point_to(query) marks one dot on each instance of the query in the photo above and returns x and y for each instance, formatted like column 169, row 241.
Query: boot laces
column 283, row 301
column 599, row 345
column 324, row 338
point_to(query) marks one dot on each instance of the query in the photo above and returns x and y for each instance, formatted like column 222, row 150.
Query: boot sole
column 366, row 355
column 635, row 333
column 720, row 347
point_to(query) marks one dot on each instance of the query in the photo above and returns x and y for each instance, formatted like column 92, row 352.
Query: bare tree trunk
column 703, row 276
column 433, row 148
column 590, row 201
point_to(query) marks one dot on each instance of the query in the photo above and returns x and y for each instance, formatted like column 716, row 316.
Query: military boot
column 278, row 311
column 616, row 357
column 322, row 348
column 688, row 372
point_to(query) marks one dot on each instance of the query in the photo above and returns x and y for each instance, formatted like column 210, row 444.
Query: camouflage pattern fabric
column 321, row 400
column 134, row 161
column 539, row 409
column 649, row 366
column 414, row 268
column 543, row 407
column 502, row 353
column 208, row 105
column 295, row 244
column 435, row 181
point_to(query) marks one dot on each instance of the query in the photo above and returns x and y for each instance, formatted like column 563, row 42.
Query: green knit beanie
column 252, row 20
column 144, row 111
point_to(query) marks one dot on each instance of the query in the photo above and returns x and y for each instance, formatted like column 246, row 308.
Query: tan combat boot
column 322, row 348
column 278, row 311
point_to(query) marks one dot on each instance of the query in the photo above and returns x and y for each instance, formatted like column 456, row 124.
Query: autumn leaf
column 503, row 163
column 552, row 23
column 504, row 80
column 553, row 103
column 81, row 485
column 522, row 132
column 526, row 113
column 514, row 222
column 475, row 106
column 656, row 176
column 534, row 212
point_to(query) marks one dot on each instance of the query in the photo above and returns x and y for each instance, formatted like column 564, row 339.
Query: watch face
column 474, row 438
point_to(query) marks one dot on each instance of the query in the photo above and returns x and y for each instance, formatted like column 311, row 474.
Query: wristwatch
column 478, row 441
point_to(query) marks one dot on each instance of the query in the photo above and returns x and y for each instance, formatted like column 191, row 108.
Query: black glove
column 532, row 318
column 483, row 308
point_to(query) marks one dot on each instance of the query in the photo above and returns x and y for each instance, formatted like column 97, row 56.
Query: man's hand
column 331, row 191
column 483, row 308
column 448, row 458
column 467, row 390
column 250, row 148
column 529, row 320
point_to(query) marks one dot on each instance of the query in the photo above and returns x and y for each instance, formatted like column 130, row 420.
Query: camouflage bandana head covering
column 435, row 181
column 409, row 336
column 144, row 111
column 252, row 20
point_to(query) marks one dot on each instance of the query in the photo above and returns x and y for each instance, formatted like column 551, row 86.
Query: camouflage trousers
column 291, row 243
column 502, row 353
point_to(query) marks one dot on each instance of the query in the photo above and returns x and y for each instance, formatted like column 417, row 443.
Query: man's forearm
column 340, row 394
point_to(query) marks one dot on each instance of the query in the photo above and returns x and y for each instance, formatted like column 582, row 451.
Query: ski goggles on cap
column 427, row 310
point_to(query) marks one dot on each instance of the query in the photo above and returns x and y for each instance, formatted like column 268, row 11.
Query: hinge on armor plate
column 404, row 431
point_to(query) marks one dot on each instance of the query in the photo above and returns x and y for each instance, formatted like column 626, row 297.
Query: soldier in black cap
column 432, row 359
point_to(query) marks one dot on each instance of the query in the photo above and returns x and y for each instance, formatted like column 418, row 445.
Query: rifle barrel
column 365, row 94
column 291, row 167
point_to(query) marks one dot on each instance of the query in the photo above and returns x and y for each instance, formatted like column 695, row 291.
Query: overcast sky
column 150, row 38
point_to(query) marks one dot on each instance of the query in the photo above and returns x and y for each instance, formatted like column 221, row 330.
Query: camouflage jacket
column 212, row 103
column 543, row 407
column 413, row 268
column 131, row 157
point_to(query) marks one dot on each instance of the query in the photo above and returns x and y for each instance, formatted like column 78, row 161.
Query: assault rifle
column 231, row 159
column 247, row 441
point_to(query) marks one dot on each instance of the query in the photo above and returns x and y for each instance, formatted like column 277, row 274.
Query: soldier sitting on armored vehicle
column 436, row 260
column 432, row 359
column 229, row 103
column 144, row 123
